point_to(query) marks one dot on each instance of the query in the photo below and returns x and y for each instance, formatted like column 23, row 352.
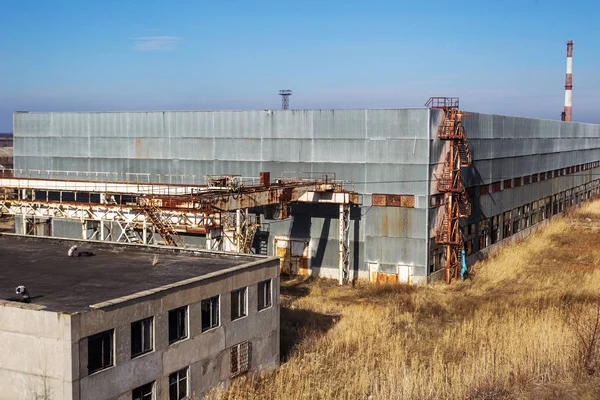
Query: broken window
column 210, row 313
column 495, row 229
column 100, row 351
column 506, row 231
column 144, row 392
column 238, row 303
column 264, row 295
column 240, row 356
column 141, row 337
column 178, row 387
column 178, row 324
column 469, row 247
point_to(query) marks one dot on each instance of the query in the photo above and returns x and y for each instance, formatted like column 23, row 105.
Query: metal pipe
column 341, row 246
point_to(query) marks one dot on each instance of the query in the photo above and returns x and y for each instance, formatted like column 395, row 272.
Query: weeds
column 526, row 327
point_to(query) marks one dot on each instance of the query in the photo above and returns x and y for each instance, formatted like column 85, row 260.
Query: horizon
column 506, row 59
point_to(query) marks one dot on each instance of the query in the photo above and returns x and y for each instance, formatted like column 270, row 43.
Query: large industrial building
column 129, row 322
column 430, row 181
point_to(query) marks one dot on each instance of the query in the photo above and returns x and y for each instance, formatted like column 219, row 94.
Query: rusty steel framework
column 456, row 201
column 143, row 212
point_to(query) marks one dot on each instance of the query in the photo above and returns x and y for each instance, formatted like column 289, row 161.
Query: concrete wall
column 35, row 353
column 383, row 151
column 207, row 354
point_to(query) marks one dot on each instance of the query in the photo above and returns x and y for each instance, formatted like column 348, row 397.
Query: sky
column 503, row 57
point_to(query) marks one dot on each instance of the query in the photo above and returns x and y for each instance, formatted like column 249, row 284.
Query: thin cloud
column 156, row 43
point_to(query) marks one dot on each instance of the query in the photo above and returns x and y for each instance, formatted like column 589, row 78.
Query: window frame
column 142, row 387
column 186, row 370
column 186, row 324
column 245, row 303
column 218, row 310
column 151, row 349
column 100, row 335
column 262, row 294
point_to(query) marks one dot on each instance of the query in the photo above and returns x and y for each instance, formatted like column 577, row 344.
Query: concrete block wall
column 206, row 354
column 35, row 353
column 45, row 352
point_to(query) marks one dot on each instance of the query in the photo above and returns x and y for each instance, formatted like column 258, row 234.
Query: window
column 178, row 384
column 144, row 392
column 100, row 351
column 210, row 313
column 264, row 295
column 240, row 356
column 141, row 337
column 238, row 303
column 178, row 324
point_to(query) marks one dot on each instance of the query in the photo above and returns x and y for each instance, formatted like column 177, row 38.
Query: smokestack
column 568, row 113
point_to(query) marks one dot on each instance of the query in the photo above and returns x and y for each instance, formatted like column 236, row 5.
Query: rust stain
column 378, row 200
column 393, row 200
column 380, row 278
column 407, row 201
column 139, row 148
column 384, row 225
column 286, row 195
column 303, row 267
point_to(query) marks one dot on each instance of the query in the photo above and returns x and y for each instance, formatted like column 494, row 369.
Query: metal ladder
column 162, row 225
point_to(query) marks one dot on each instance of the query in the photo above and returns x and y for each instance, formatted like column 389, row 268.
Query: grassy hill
column 527, row 326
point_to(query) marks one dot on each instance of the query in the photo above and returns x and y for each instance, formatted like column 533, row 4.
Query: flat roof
column 116, row 272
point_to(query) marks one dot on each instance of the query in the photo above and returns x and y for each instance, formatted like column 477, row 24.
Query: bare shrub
column 584, row 319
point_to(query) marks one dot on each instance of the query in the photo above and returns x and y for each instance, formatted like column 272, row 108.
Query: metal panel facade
column 515, row 155
column 383, row 151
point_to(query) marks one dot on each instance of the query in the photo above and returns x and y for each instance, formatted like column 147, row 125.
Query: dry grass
column 522, row 328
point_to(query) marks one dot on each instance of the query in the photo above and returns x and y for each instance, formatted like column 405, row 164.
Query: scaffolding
column 456, row 200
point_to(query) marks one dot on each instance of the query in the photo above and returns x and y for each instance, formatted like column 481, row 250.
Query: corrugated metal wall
column 504, row 148
column 383, row 151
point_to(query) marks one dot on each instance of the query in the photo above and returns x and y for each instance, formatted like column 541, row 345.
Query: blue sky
column 505, row 57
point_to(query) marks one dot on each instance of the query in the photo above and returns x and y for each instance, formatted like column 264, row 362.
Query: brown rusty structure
column 456, row 201
column 145, row 211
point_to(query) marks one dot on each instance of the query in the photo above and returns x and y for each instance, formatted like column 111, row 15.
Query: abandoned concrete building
column 119, row 321
column 430, row 182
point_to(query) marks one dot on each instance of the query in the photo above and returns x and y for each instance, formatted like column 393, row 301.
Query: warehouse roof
column 115, row 272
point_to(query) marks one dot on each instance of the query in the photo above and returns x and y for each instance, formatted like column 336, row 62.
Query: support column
column 102, row 233
column 344, row 244
column 238, row 230
column 145, row 231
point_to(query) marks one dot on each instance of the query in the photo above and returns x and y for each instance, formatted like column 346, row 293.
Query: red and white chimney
column 568, row 113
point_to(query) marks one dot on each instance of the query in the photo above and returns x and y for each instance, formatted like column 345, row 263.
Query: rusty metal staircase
column 162, row 225
column 456, row 204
